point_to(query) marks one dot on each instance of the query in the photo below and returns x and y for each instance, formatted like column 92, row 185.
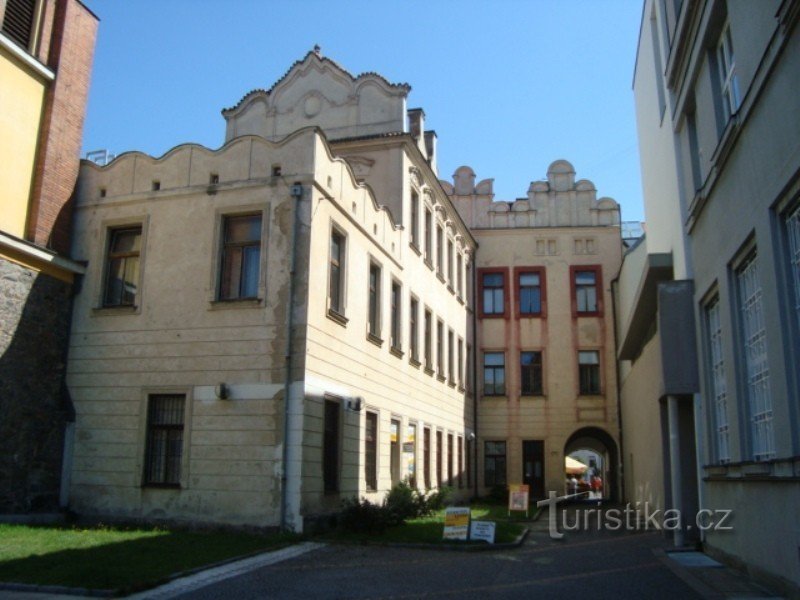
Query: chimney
column 430, row 150
column 416, row 122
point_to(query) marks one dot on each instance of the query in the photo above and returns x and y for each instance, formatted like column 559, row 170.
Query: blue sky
column 509, row 86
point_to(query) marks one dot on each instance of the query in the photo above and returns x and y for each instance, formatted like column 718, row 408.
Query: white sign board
column 482, row 530
column 456, row 522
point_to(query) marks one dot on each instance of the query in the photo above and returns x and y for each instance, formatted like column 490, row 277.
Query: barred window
column 164, row 451
column 793, row 232
column 718, row 386
column 754, row 340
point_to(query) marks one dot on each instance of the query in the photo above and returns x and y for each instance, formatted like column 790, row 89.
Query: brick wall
column 71, row 35
column 34, row 326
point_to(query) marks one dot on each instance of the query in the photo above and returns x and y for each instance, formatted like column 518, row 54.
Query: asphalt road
column 584, row 565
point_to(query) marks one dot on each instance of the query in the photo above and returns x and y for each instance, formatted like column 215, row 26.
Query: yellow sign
column 456, row 523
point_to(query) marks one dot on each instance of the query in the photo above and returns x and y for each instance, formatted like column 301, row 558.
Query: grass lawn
column 115, row 558
column 428, row 530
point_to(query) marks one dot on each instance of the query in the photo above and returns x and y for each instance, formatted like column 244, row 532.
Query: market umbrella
column 574, row 467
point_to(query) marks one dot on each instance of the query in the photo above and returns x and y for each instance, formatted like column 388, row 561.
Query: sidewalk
column 706, row 576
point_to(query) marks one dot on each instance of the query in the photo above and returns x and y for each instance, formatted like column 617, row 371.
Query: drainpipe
column 296, row 192
column 474, row 305
column 675, row 467
column 621, row 457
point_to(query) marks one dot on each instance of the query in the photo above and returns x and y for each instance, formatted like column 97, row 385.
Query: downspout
column 474, row 305
column 621, row 457
column 296, row 192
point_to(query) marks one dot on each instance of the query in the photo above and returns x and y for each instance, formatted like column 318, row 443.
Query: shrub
column 402, row 503
column 437, row 499
column 362, row 516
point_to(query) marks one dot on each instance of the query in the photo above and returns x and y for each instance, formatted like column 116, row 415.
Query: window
column 428, row 342
column 754, row 340
column 450, row 263
column 460, row 461
column 415, row 219
column 428, row 237
column 241, row 256
column 439, row 457
column 494, row 374
column 530, row 284
column 460, row 276
column 531, row 370
column 470, row 371
column 440, row 249
column 589, row 372
column 122, row 274
column 468, row 286
column 468, row 465
column 371, row 452
column 718, row 386
column 450, row 459
column 729, row 82
column 410, row 452
column 493, row 293
column 451, row 371
column 19, row 21
column 426, row 457
column 164, row 450
column 394, row 450
column 586, row 283
column 374, row 310
column 330, row 447
column 793, row 233
column 413, row 330
column 396, row 333
column 440, row 350
column 494, row 463
column 336, row 273
column 461, row 363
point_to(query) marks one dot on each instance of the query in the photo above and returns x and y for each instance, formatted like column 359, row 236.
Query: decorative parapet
column 558, row 201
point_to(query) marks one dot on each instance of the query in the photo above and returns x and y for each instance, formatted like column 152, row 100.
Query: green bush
column 402, row 502
column 362, row 516
column 437, row 499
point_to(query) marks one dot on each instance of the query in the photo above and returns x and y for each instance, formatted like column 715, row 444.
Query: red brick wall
column 71, row 49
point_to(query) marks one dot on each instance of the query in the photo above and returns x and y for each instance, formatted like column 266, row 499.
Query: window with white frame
column 793, row 233
column 754, row 340
column 729, row 83
column 719, row 392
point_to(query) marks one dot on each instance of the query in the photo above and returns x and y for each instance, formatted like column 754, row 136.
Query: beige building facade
column 545, row 336
column 269, row 328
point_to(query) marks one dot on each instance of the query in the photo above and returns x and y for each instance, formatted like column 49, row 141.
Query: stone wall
column 34, row 325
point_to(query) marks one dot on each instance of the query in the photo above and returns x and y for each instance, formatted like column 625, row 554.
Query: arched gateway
column 597, row 451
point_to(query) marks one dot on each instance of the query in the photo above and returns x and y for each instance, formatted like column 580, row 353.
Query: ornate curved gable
column 318, row 91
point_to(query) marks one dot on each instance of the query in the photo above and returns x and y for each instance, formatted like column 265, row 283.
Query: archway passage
column 596, row 450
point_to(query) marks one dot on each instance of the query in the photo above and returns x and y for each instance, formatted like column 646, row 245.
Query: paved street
column 584, row 565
